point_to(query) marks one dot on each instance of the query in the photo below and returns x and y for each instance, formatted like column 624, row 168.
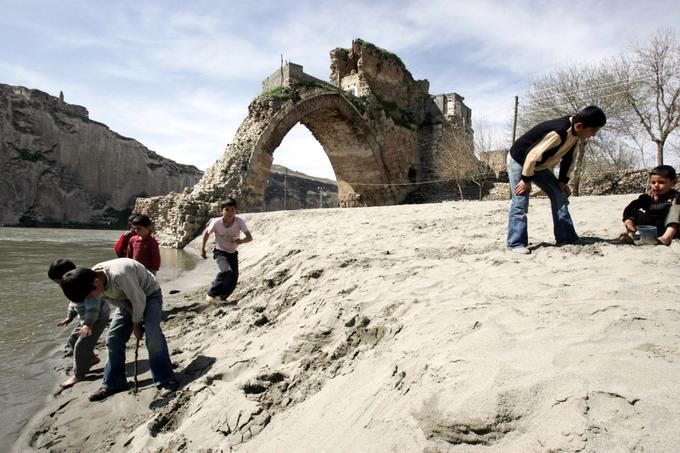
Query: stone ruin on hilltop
column 379, row 127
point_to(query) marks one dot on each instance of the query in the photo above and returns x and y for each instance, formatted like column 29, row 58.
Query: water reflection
column 174, row 262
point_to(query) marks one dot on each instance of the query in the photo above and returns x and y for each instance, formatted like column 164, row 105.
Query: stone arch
column 350, row 144
column 380, row 139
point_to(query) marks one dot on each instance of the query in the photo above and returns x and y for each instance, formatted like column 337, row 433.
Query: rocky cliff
column 60, row 167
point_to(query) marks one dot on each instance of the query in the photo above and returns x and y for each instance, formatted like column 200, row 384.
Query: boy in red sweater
column 143, row 247
column 121, row 246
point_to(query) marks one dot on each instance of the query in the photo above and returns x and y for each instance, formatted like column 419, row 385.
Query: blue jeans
column 83, row 347
column 563, row 226
column 119, row 333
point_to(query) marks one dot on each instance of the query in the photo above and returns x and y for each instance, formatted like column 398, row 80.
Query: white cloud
column 15, row 74
column 179, row 77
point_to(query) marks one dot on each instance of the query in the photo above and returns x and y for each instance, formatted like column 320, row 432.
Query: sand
column 407, row 328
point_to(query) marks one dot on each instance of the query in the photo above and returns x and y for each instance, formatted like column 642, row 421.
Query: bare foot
column 70, row 382
column 664, row 241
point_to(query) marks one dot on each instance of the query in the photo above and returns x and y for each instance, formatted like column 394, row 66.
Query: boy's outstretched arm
column 203, row 241
column 72, row 313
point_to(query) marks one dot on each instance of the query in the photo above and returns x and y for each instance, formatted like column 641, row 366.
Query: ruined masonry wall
column 379, row 142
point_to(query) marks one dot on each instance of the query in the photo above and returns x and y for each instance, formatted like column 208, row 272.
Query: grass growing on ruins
column 365, row 45
column 283, row 94
column 400, row 116
column 279, row 93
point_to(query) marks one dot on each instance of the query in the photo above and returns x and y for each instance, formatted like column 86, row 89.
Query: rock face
column 379, row 127
column 288, row 189
column 60, row 167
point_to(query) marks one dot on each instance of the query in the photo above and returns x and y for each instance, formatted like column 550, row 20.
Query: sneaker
column 521, row 250
column 105, row 392
column 167, row 389
column 210, row 299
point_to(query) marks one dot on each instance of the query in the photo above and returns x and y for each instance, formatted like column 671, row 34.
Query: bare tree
column 567, row 90
column 458, row 161
column 652, row 86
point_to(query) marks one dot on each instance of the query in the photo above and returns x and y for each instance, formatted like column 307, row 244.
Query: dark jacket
column 645, row 211
column 542, row 146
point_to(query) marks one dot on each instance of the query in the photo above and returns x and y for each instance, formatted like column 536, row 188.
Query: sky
column 178, row 75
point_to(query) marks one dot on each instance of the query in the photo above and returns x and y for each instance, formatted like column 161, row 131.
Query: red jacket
column 121, row 246
column 146, row 251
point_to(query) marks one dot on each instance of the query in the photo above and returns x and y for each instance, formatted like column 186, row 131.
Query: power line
column 595, row 88
column 434, row 181
column 564, row 105
column 658, row 61
column 558, row 87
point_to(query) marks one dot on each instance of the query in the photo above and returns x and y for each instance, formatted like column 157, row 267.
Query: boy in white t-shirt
column 227, row 231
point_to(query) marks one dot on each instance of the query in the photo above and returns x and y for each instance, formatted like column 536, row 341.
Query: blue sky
column 178, row 76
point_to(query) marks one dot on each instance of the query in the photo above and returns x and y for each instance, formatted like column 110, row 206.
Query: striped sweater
column 543, row 146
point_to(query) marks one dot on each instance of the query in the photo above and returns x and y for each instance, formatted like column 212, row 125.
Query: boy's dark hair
column 591, row 116
column 142, row 220
column 78, row 283
column 228, row 202
column 665, row 171
column 59, row 267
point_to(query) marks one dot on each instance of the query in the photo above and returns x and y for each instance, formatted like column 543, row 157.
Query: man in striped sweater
column 531, row 160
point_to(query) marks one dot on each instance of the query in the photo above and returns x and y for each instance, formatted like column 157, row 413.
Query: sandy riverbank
column 408, row 328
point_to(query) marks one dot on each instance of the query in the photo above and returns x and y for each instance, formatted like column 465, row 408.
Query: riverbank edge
column 188, row 285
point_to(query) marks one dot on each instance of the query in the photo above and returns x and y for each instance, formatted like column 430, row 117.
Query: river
column 31, row 344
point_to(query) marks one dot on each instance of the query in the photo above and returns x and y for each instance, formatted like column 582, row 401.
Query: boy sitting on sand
column 137, row 295
column 659, row 208
column 94, row 316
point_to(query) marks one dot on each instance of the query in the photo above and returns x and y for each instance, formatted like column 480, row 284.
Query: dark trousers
column 227, row 277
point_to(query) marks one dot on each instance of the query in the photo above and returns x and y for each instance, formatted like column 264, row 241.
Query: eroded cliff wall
column 59, row 167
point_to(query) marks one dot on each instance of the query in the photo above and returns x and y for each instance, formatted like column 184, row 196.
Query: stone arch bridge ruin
column 379, row 127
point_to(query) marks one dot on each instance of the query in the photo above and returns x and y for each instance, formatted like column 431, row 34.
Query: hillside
column 59, row 167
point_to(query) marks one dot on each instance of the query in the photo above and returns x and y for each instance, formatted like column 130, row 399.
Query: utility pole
column 285, row 188
column 514, row 121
